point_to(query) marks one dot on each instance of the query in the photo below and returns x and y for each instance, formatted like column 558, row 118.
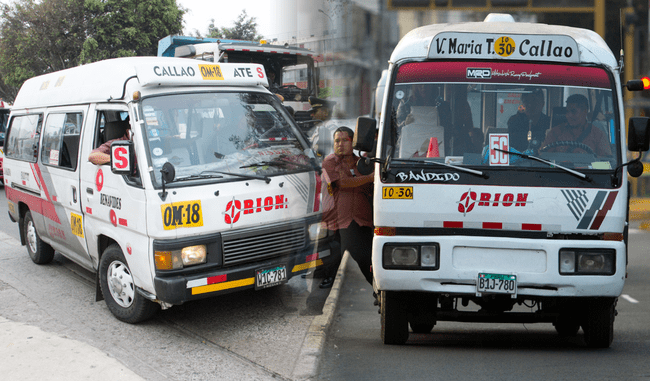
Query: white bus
column 486, row 211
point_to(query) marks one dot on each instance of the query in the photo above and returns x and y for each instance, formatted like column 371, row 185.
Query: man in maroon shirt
column 350, row 213
column 577, row 129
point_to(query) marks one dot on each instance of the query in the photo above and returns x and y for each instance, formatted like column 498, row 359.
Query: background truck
column 290, row 69
column 484, row 212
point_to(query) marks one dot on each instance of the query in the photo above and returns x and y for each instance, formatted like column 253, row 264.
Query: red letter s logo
column 120, row 161
column 260, row 72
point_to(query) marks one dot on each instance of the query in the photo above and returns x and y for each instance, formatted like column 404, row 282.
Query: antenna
column 621, row 63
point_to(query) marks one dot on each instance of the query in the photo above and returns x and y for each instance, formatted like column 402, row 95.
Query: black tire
column 119, row 290
column 40, row 252
column 394, row 321
column 421, row 327
column 567, row 326
column 598, row 323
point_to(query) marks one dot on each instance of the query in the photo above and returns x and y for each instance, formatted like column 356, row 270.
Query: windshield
column 231, row 132
column 475, row 113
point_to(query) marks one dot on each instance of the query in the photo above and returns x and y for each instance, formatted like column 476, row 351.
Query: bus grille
column 251, row 245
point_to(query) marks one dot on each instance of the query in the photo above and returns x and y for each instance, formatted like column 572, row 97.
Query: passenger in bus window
column 577, row 134
column 113, row 130
column 527, row 128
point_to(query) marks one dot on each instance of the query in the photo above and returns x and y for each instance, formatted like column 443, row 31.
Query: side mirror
column 364, row 136
column 634, row 85
column 635, row 168
column 365, row 166
column 638, row 134
column 122, row 157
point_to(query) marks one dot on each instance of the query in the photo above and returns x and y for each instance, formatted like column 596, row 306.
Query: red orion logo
column 233, row 210
column 467, row 202
column 250, row 206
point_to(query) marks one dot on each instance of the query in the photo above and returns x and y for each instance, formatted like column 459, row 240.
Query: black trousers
column 358, row 241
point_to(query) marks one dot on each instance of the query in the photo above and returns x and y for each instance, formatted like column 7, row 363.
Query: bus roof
column 524, row 41
column 106, row 80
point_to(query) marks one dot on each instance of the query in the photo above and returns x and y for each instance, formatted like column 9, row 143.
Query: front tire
column 40, row 252
column 599, row 322
column 567, row 325
column 394, row 320
column 119, row 290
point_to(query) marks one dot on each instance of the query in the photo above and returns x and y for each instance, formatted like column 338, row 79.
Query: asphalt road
column 249, row 335
column 470, row 351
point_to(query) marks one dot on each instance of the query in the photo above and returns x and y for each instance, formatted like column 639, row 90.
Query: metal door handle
column 89, row 190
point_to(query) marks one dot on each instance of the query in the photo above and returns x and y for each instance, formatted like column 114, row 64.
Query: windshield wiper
column 461, row 169
column 199, row 176
column 549, row 163
column 279, row 162
column 250, row 177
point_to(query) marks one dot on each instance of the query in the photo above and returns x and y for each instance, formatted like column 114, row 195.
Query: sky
column 225, row 12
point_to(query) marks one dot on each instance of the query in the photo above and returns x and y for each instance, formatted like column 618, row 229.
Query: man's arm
column 101, row 155
column 99, row 158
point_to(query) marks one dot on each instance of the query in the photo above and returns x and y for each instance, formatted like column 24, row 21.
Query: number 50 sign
column 499, row 141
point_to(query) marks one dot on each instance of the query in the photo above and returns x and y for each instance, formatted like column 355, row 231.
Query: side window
column 61, row 140
column 24, row 133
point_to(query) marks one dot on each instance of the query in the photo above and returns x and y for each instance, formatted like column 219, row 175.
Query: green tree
column 245, row 29
column 38, row 37
column 122, row 28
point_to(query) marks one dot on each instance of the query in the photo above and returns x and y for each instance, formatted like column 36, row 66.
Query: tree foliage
column 38, row 37
column 245, row 29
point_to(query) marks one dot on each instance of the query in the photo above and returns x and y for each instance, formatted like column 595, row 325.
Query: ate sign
column 501, row 142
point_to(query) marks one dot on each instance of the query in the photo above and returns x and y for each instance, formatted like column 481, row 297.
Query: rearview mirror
column 638, row 134
column 364, row 136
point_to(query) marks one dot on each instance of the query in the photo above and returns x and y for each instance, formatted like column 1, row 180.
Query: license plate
column 496, row 283
column 265, row 278
column 404, row 193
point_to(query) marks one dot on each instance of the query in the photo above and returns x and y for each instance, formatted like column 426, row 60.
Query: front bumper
column 534, row 261
column 177, row 289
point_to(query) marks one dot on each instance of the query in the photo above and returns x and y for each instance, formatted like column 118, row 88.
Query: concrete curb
column 306, row 367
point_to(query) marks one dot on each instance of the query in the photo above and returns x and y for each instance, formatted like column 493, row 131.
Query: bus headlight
column 587, row 261
column 177, row 259
column 316, row 232
column 411, row 257
column 193, row 255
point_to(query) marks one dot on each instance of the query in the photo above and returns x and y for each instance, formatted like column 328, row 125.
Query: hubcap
column 31, row 237
column 120, row 284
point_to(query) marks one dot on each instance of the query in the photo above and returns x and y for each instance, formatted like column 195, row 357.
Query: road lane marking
column 629, row 299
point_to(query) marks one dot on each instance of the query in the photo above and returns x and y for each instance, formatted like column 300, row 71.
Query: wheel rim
column 120, row 284
column 32, row 237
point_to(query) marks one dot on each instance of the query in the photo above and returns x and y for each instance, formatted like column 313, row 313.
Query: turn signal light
column 646, row 83
column 612, row 236
column 383, row 230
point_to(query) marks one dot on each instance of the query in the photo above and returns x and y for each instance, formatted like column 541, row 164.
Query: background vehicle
column 5, row 109
column 292, row 68
column 466, row 212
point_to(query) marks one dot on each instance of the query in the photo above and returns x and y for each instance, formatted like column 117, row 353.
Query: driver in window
column 577, row 135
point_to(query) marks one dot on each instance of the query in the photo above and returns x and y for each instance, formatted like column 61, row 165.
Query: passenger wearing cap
column 321, row 109
column 527, row 128
column 321, row 135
